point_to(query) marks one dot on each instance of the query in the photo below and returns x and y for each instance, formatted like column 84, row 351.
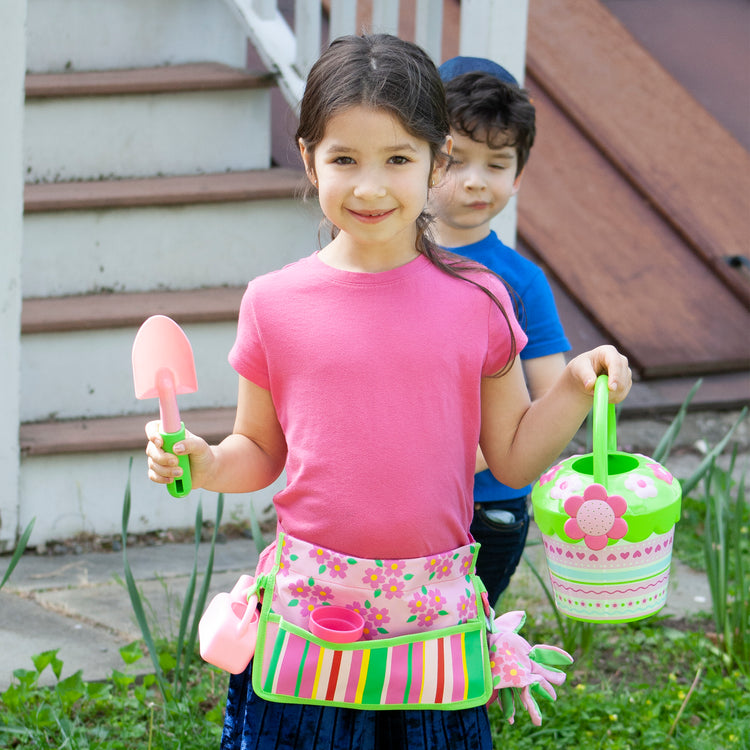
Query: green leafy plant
column 178, row 665
column 726, row 547
column 18, row 552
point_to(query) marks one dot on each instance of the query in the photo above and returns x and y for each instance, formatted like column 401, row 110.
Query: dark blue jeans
column 252, row 723
column 502, row 543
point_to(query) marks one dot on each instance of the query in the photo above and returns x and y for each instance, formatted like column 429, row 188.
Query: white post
column 496, row 29
column 307, row 24
column 13, row 65
column 384, row 17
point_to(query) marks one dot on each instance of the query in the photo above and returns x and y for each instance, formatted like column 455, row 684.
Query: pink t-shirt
column 376, row 382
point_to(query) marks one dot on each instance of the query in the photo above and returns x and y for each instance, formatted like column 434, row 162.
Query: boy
column 493, row 128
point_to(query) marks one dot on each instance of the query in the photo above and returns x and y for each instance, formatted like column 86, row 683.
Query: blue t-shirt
column 538, row 317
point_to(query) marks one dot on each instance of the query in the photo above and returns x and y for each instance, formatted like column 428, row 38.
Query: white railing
column 489, row 28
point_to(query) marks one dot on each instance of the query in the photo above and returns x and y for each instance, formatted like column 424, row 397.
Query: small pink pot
column 229, row 628
column 336, row 624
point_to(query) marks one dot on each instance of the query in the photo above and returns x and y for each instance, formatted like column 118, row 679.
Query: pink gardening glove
column 520, row 672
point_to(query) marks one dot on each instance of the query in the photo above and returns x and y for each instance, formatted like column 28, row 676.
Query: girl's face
column 372, row 178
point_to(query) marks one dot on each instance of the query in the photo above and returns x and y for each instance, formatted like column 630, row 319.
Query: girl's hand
column 586, row 367
column 163, row 467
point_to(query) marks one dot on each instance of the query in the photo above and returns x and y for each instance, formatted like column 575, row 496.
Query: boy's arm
column 520, row 439
column 540, row 374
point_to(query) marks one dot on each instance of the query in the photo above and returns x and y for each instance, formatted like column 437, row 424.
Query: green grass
column 644, row 685
column 121, row 713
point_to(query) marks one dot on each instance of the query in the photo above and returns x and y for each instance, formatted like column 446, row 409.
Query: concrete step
column 163, row 233
column 96, row 35
column 185, row 119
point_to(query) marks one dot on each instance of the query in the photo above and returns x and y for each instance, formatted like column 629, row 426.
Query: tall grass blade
column 690, row 483
column 561, row 626
column 260, row 542
column 18, row 552
column 187, row 603
column 135, row 597
column 741, row 619
column 663, row 449
column 203, row 594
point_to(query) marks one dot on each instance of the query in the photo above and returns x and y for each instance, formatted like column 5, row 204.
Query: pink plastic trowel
column 163, row 367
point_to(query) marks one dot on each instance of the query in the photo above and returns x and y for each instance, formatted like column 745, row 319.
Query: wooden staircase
column 150, row 189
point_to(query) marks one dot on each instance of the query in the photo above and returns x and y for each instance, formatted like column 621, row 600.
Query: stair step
column 113, row 433
column 88, row 312
column 256, row 184
column 139, row 122
column 207, row 76
column 96, row 35
column 207, row 230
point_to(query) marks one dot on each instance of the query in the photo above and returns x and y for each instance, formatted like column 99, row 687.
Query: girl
column 371, row 370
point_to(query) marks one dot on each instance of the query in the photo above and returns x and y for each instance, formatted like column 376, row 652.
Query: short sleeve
column 541, row 321
column 505, row 337
column 248, row 355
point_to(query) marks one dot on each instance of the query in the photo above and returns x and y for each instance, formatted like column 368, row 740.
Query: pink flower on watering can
column 595, row 517
column 549, row 475
column 641, row 485
column 661, row 473
column 566, row 487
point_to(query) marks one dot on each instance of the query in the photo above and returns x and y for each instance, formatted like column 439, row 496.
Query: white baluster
column 343, row 18
column 428, row 33
column 385, row 17
column 307, row 31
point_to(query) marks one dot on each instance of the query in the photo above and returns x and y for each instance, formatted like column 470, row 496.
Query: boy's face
column 476, row 187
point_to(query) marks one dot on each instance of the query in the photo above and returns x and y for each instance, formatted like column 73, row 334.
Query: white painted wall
column 12, row 63
column 496, row 29
column 107, row 34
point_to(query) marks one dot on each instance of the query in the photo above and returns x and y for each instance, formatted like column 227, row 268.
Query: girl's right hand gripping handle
column 179, row 486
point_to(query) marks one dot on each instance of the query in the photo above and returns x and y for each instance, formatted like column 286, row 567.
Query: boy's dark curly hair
column 487, row 109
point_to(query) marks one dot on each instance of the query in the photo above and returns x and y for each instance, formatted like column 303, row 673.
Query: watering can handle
column 605, row 429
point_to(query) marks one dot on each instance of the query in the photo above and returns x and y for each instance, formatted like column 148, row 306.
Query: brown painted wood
column 206, row 76
column 627, row 268
column 259, row 184
column 113, row 433
column 682, row 160
column 109, row 310
column 127, row 433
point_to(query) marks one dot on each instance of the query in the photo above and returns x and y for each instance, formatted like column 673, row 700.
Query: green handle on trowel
column 179, row 486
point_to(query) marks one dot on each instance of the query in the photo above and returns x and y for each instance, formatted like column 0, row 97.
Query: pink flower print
column 308, row 605
column 337, row 566
column 549, row 475
column 432, row 565
column 377, row 619
column 467, row 608
column 393, row 588
column 427, row 619
column 661, row 473
column 374, row 577
column 512, row 675
column 467, row 564
column 300, row 589
column 443, row 568
column 319, row 554
column 419, row 602
column 394, row 567
column 436, row 599
column 566, row 487
column 595, row 517
column 641, row 485
column 322, row 594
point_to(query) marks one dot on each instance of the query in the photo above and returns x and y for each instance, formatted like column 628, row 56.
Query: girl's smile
column 372, row 177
